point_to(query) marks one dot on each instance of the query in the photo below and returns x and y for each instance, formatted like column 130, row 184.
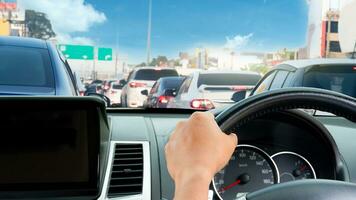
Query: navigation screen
column 44, row 147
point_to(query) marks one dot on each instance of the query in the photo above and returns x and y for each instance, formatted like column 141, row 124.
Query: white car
column 140, row 79
column 114, row 93
column 211, row 89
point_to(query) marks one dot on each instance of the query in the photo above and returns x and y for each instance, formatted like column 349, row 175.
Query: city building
column 275, row 58
column 324, row 31
column 201, row 58
column 12, row 19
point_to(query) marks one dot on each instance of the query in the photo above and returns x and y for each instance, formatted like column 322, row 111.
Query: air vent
column 127, row 170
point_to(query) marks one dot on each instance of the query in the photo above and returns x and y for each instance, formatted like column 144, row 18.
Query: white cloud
column 66, row 38
column 67, row 16
column 238, row 41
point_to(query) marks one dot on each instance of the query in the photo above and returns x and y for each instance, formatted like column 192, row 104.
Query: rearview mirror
column 238, row 96
column 102, row 97
column 144, row 92
column 170, row 92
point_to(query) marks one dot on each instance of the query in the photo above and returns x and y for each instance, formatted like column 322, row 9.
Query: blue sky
column 183, row 25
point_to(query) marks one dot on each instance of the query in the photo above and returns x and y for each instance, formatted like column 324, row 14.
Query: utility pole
column 117, row 52
column 149, row 32
column 354, row 52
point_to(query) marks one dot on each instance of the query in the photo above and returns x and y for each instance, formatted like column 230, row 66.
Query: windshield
column 217, row 48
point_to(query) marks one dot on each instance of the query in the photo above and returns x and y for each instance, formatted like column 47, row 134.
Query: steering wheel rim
column 283, row 100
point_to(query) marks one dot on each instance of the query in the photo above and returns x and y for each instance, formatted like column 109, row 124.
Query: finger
column 233, row 138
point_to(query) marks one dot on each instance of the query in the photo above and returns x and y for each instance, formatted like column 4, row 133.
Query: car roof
column 154, row 68
column 319, row 61
column 22, row 42
column 227, row 72
column 168, row 78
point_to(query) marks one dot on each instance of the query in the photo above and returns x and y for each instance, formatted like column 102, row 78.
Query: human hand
column 196, row 150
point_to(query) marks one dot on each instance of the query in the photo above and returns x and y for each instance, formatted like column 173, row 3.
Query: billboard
column 81, row 52
column 104, row 54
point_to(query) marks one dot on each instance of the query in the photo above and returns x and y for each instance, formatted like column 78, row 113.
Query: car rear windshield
column 154, row 74
column 20, row 66
column 341, row 78
column 117, row 86
column 173, row 83
column 228, row 79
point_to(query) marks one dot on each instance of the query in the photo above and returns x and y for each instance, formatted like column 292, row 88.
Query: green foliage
column 159, row 61
column 38, row 25
column 259, row 68
column 141, row 65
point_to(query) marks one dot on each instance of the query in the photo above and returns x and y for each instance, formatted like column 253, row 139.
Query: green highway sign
column 82, row 52
column 105, row 54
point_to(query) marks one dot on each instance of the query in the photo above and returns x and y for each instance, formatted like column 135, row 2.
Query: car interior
column 94, row 94
column 75, row 148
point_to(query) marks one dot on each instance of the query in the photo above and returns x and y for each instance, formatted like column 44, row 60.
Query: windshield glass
column 218, row 48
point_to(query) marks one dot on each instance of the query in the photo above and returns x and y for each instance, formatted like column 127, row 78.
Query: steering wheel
column 283, row 100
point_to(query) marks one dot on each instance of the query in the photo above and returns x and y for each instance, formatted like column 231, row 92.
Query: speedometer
column 248, row 170
column 293, row 166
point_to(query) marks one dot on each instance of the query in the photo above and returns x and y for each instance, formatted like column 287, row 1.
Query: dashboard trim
column 298, row 155
column 146, row 186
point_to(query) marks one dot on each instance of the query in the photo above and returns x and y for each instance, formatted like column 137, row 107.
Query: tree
column 141, row 65
column 153, row 62
column 159, row 61
column 259, row 68
column 38, row 25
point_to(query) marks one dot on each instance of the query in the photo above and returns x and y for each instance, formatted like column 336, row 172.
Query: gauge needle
column 231, row 185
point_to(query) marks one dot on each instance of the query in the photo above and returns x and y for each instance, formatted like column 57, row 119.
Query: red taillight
column 164, row 99
column 81, row 93
column 354, row 68
column 202, row 104
column 137, row 84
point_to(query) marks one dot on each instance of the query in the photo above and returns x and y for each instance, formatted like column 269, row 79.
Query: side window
column 185, row 86
column 289, row 80
column 155, row 87
column 130, row 76
column 73, row 81
column 264, row 85
column 279, row 79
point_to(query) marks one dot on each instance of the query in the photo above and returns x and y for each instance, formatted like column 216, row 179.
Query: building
column 201, row 58
column 12, row 19
column 323, row 35
column 275, row 58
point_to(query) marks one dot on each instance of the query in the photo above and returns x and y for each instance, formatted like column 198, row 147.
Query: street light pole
column 149, row 31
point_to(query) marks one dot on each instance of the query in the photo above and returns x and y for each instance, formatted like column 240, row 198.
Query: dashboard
column 277, row 148
column 67, row 148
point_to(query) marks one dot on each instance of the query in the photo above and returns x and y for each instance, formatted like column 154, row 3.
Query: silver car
column 211, row 89
column 141, row 79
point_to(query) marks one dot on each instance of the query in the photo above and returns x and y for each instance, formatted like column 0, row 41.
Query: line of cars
column 153, row 87
column 205, row 90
